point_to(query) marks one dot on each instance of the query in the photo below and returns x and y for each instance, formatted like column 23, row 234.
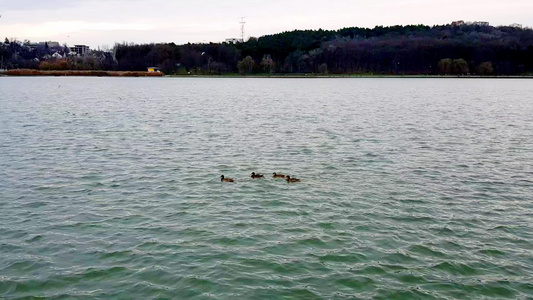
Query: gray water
column 411, row 188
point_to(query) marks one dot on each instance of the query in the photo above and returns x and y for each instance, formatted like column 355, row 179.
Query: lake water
column 411, row 188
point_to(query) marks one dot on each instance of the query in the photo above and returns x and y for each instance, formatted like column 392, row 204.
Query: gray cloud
column 25, row 5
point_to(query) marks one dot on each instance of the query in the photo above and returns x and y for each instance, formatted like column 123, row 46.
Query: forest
column 395, row 50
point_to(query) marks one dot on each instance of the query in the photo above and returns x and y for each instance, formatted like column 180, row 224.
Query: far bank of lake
column 96, row 73
column 100, row 73
column 345, row 76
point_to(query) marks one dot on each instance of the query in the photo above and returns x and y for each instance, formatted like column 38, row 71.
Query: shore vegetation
column 465, row 50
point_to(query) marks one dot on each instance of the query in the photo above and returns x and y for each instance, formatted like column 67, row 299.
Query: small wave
column 35, row 239
column 412, row 279
column 27, row 265
column 412, row 293
column 457, row 269
column 445, row 231
column 103, row 273
column 400, row 258
column 8, row 248
column 343, row 258
column 156, row 246
column 313, row 242
column 359, row 283
column 327, row 226
column 506, row 229
column 116, row 255
column 413, row 219
column 157, row 276
column 492, row 252
column 274, row 203
column 370, row 270
column 36, row 204
column 426, row 251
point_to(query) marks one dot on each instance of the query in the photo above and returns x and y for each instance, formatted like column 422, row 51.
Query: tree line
column 409, row 50
column 15, row 54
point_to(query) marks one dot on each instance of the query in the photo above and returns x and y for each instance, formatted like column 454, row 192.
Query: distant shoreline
column 89, row 73
column 77, row 73
column 351, row 76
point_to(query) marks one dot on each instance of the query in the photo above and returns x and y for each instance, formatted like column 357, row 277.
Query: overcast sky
column 104, row 22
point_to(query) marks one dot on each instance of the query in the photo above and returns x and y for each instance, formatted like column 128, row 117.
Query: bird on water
column 257, row 175
column 223, row 179
column 276, row 175
column 289, row 179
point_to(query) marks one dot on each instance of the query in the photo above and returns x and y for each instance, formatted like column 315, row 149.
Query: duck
column 223, row 179
column 276, row 175
column 289, row 179
column 257, row 175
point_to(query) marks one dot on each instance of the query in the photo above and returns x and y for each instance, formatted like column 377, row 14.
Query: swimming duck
column 289, row 179
column 276, row 175
column 257, row 175
column 223, row 179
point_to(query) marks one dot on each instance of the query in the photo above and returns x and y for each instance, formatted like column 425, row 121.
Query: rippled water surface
column 411, row 188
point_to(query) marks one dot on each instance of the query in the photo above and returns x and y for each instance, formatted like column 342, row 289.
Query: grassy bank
column 28, row 72
column 365, row 75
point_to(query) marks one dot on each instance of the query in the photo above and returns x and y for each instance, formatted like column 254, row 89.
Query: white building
column 233, row 41
column 478, row 23
column 80, row 50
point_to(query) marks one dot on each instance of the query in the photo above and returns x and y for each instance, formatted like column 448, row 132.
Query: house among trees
column 458, row 23
column 57, row 55
column 52, row 44
column 49, row 44
column 478, row 23
column 233, row 41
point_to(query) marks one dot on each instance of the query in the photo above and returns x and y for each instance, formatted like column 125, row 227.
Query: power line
column 243, row 23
